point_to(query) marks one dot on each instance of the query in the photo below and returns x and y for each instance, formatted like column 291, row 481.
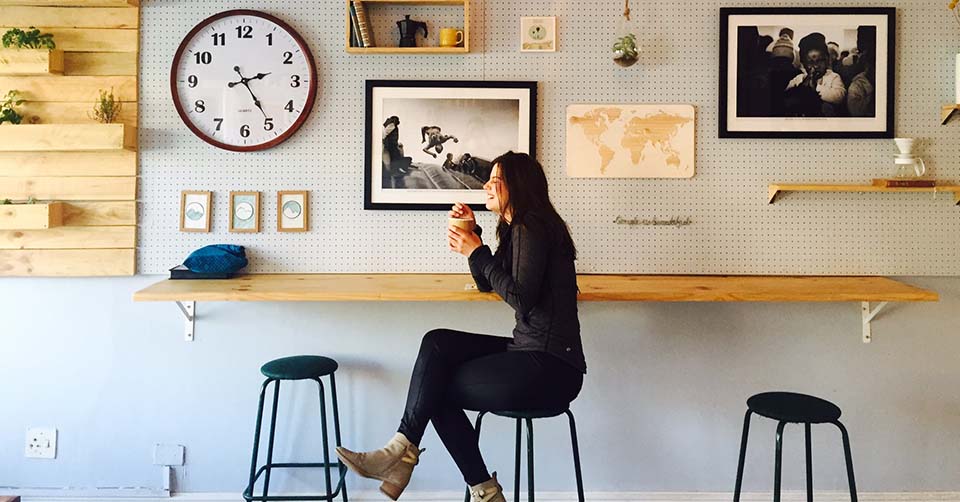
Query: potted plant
column 30, row 215
column 8, row 110
column 29, row 52
column 107, row 109
column 625, row 52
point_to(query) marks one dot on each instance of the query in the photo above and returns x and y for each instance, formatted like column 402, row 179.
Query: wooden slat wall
column 100, row 40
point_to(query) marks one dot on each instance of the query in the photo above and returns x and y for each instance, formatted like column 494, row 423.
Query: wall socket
column 41, row 443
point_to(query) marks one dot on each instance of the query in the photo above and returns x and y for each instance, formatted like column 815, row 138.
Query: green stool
column 296, row 368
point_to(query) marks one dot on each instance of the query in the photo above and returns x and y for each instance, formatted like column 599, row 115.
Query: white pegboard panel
column 734, row 230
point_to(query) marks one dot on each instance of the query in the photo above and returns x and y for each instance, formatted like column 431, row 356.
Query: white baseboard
column 373, row 496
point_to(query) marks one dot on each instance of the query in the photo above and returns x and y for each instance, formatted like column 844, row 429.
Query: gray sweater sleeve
column 519, row 287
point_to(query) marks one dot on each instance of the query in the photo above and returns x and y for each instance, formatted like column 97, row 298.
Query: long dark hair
column 528, row 195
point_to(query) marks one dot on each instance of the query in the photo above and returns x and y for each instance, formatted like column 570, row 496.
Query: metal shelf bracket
column 868, row 315
column 189, row 310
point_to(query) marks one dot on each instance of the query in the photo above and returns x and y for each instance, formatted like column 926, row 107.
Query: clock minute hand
column 244, row 80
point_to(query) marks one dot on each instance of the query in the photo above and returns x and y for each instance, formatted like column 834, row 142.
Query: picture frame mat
column 185, row 198
column 256, row 212
column 305, row 208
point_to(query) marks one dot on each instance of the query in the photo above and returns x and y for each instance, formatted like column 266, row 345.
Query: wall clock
column 243, row 80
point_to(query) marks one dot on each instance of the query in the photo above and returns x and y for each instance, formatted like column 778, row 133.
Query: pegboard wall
column 734, row 230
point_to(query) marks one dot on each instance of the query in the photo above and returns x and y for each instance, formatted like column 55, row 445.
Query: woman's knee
column 434, row 338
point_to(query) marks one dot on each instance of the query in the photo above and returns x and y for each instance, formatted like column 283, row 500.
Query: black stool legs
column 778, row 462
column 341, row 489
column 530, row 462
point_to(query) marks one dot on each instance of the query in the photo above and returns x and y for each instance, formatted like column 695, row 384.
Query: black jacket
column 533, row 271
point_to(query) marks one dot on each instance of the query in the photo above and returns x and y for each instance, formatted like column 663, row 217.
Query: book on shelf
column 355, row 26
column 366, row 33
column 905, row 183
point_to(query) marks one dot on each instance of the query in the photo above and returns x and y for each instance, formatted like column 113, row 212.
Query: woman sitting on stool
column 541, row 367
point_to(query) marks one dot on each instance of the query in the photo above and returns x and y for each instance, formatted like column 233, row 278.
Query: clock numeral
column 203, row 57
column 219, row 122
column 270, row 39
column 219, row 39
column 200, row 106
column 288, row 57
column 244, row 31
column 289, row 106
column 268, row 125
column 245, row 131
column 295, row 80
column 192, row 81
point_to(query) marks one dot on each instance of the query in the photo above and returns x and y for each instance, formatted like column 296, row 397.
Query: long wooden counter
column 455, row 287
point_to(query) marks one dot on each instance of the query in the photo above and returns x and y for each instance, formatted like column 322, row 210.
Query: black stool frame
column 516, row 477
column 779, row 459
column 269, row 466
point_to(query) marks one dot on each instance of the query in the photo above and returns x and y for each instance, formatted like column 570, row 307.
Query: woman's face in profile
column 497, row 194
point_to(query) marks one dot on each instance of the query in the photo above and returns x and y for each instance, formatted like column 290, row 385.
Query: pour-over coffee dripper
column 908, row 164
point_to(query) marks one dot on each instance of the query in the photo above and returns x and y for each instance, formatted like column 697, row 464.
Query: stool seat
column 299, row 367
column 545, row 413
column 794, row 408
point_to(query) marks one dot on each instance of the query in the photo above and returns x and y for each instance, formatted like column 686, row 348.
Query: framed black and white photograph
column 807, row 72
column 430, row 143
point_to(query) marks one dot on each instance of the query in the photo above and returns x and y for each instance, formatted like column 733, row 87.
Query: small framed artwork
column 195, row 208
column 293, row 211
column 538, row 34
column 430, row 143
column 807, row 72
column 245, row 212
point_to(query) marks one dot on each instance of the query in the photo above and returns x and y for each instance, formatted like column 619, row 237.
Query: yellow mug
column 450, row 37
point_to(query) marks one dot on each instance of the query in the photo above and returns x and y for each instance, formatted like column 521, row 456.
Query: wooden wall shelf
column 465, row 4
column 31, row 61
column 597, row 288
column 67, row 137
column 31, row 216
column 946, row 113
column 776, row 189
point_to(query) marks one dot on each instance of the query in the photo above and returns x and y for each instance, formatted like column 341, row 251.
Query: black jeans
column 457, row 371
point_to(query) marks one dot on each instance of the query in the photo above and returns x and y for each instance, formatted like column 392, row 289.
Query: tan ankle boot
column 392, row 464
column 488, row 491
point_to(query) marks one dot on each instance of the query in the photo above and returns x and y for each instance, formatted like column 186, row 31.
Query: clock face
column 243, row 80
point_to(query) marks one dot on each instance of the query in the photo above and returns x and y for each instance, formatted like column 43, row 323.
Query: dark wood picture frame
column 372, row 126
column 890, row 83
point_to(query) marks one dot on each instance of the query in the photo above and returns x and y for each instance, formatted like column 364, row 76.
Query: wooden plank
column 99, row 214
column 70, row 238
column 72, row 113
column 46, row 164
column 100, row 63
column 450, row 287
column 31, row 62
column 71, row 17
column 31, row 216
column 67, row 262
column 773, row 191
column 90, row 39
column 65, row 88
column 70, row 189
column 73, row 3
column 67, row 137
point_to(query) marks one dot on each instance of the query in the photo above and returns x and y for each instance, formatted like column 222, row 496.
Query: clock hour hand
column 258, row 76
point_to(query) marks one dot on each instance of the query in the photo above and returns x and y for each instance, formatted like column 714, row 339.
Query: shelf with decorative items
column 31, row 62
column 939, row 187
column 30, row 215
column 359, row 29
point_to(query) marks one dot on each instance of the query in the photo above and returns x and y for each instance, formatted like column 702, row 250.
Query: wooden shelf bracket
column 189, row 310
column 868, row 315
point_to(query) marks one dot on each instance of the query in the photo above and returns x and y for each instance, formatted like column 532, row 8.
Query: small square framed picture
column 195, row 211
column 293, row 211
column 538, row 34
column 245, row 212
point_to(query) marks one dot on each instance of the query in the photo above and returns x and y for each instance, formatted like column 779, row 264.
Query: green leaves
column 32, row 39
column 107, row 108
column 7, row 111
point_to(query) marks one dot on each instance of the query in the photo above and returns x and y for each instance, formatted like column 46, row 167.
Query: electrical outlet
column 168, row 454
column 41, row 443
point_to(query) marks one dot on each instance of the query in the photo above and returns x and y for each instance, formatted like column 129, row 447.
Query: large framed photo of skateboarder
column 430, row 143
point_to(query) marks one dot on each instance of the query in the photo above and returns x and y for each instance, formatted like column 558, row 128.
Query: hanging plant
column 625, row 50
column 8, row 111
column 32, row 39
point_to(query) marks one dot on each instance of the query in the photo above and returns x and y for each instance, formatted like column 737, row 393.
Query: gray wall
column 661, row 408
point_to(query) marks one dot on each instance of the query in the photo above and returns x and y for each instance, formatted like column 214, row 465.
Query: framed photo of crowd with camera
column 807, row 72
column 430, row 143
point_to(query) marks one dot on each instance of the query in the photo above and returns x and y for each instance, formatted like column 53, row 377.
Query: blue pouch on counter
column 217, row 259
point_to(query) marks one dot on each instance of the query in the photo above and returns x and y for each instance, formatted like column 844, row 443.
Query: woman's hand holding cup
column 460, row 235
